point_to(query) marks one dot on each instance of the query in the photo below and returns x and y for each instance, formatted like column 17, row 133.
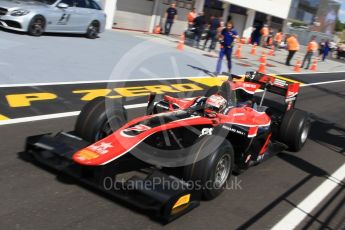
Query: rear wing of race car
column 289, row 90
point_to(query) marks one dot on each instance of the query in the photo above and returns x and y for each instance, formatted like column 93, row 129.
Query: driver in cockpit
column 214, row 104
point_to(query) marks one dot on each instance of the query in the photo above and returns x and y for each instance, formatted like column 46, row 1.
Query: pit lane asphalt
column 32, row 198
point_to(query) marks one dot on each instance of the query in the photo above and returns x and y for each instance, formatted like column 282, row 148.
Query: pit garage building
column 144, row 15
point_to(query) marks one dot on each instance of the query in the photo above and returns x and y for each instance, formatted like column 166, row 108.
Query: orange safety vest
column 191, row 17
column 292, row 43
column 278, row 37
column 312, row 46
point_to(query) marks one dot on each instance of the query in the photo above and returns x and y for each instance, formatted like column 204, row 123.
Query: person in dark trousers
column 326, row 50
column 292, row 46
column 212, row 33
column 170, row 15
column 199, row 25
column 311, row 50
column 226, row 38
column 255, row 36
column 321, row 47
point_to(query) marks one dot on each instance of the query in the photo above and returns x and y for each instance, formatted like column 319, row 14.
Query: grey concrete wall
column 239, row 22
column 133, row 14
column 137, row 15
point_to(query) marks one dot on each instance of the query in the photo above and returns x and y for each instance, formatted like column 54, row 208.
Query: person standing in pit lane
column 227, row 38
column 170, row 15
column 212, row 33
column 199, row 24
column 264, row 35
column 292, row 46
column 326, row 50
column 278, row 39
column 311, row 50
column 322, row 47
column 190, row 18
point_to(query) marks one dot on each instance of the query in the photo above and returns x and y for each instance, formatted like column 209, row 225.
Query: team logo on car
column 101, row 148
column 135, row 130
column 206, row 131
column 138, row 128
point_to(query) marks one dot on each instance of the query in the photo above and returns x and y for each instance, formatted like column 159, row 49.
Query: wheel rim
column 222, row 171
column 106, row 129
column 93, row 30
column 305, row 133
column 37, row 26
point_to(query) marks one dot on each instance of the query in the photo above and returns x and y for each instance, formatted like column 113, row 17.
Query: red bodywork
column 120, row 143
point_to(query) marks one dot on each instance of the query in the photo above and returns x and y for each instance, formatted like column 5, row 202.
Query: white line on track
column 56, row 115
column 323, row 83
column 39, row 118
column 303, row 209
column 96, row 81
column 294, row 73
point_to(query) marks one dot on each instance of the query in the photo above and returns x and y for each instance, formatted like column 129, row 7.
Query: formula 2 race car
column 182, row 150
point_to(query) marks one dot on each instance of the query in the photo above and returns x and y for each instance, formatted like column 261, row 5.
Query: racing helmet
column 214, row 104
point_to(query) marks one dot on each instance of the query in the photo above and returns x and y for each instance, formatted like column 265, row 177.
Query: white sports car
column 62, row 16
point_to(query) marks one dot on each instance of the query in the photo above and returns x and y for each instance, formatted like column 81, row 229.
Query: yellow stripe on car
column 181, row 201
column 287, row 79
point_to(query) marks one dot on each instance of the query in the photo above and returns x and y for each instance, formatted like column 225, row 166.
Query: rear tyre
column 212, row 173
column 295, row 129
column 211, row 91
column 93, row 30
column 95, row 122
column 37, row 26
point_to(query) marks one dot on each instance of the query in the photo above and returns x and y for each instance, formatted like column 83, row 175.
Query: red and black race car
column 183, row 150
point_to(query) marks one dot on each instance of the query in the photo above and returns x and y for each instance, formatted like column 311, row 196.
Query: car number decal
column 206, row 131
column 64, row 19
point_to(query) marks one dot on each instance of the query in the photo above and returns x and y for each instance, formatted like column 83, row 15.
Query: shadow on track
column 211, row 74
column 328, row 134
column 45, row 34
column 301, row 164
column 69, row 180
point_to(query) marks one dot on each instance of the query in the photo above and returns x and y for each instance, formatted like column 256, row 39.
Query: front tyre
column 295, row 129
column 95, row 122
column 93, row 30
column 213, row 172
column 37, row 26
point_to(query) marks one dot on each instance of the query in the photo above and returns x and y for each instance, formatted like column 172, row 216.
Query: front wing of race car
column 142, row 187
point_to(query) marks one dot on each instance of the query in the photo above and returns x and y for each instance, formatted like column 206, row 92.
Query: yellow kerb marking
column 210, row 81
column 2, row 118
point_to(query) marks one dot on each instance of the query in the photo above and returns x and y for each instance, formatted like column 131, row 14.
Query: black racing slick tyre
column 211, row 174
column 93, row 30
column 211, row 91
column 95, row 122
column 37, row 26
column 294, row 129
